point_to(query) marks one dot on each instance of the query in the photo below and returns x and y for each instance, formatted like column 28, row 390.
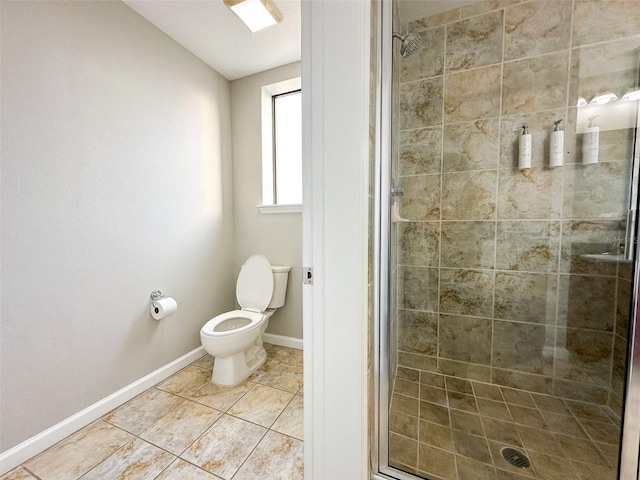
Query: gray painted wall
column 116, row 180
column 277, row 236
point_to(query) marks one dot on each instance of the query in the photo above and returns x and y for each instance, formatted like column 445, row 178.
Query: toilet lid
column 254, row 287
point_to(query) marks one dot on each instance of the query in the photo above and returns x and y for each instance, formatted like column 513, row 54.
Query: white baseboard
column 40, row 442
column 282, row 341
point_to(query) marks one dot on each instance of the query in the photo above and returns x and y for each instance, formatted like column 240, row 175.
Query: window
column 281, row 147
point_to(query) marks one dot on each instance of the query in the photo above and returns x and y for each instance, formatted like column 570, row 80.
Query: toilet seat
column 254, row 287
column 212, row 327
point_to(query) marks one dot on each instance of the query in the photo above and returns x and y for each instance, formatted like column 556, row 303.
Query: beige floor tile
column 580, row 450
column 261, row 405
column 290, row 420
column 187, row 381
column 292, row 360
column 471, row 446
column 527, row 416
column 434, row 434
column 403, row 451
column 587, row 410
column 551, row 467
column 550, row 404
column 144, row 410
column 169, row 418
column 181, row 470
column 225, row 446
column 205, row 362
column 610, row 452
column 137, row 460
column 506, row 475
column 537, row 440
column 219, row 397
column 277, row 457
column 601, row 431
column 79, row 453
column 501, row 431
column 18, row 474
column 279, row 359
column 181, row 426
column 564, row 424
column 469, row 469
column 276, row 351
column 256, row 376
column 403, row 425
column 271, row 364
column 436, row 461
column 594, row 472
column 284, row 380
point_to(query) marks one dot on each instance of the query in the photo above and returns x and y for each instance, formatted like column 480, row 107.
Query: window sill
column 270, row 209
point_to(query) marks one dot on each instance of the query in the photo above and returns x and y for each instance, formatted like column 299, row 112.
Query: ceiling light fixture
column 256, row 14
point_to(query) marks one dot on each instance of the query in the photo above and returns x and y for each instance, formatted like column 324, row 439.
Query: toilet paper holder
column 162, row 306
column 156, row 295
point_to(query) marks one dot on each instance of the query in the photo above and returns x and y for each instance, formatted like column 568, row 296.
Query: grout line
column 497, row 203
column 28, row 471
column 250, row 453
column 135, row 437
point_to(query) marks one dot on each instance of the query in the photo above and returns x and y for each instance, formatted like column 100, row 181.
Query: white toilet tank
column 280, row 278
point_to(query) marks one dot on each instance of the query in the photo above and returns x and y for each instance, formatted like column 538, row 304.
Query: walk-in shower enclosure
column 505, row 290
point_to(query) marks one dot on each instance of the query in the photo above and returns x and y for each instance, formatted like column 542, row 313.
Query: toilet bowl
column 235, row 338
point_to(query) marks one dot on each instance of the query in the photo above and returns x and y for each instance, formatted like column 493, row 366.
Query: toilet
column 235, row 338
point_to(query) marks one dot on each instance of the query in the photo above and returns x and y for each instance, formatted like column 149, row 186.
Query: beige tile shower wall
column 491, row 284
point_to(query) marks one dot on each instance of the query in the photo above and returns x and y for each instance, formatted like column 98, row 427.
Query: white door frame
column 335, row 88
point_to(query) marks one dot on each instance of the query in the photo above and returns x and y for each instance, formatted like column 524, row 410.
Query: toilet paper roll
column 163, row 308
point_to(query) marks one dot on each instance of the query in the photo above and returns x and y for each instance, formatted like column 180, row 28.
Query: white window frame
column 268, row 92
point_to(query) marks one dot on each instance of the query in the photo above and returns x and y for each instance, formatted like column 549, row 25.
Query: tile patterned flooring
column 445, row 428
column 187, row 428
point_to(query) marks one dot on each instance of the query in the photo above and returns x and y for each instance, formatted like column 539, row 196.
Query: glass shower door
column 510, row 273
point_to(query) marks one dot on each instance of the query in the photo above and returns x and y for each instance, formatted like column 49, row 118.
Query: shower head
column 410, row 43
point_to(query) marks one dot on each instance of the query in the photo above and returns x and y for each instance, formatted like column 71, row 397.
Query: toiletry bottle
column 590, row 143
column 556, row 146
column 524, row 160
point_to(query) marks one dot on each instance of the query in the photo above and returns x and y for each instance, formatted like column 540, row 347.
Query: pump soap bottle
column 524, row 159
column 590, row 143
column 556, row 146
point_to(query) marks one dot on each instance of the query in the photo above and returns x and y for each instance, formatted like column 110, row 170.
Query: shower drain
column 515, row 457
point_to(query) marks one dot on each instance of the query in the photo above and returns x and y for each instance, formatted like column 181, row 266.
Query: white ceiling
column 209, row 30
column 213, row 33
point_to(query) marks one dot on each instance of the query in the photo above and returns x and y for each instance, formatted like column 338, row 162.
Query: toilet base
column 230, row 371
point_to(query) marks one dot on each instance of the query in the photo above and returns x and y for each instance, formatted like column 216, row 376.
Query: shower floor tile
column 461, row 428
column 187, row 428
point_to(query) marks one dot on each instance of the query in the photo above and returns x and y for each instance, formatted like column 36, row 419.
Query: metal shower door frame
column 630, row 437
column 382, row 246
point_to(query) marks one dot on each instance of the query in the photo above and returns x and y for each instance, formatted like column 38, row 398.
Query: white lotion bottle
column 556, row 146
column 590, row 144
column 524, row 158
